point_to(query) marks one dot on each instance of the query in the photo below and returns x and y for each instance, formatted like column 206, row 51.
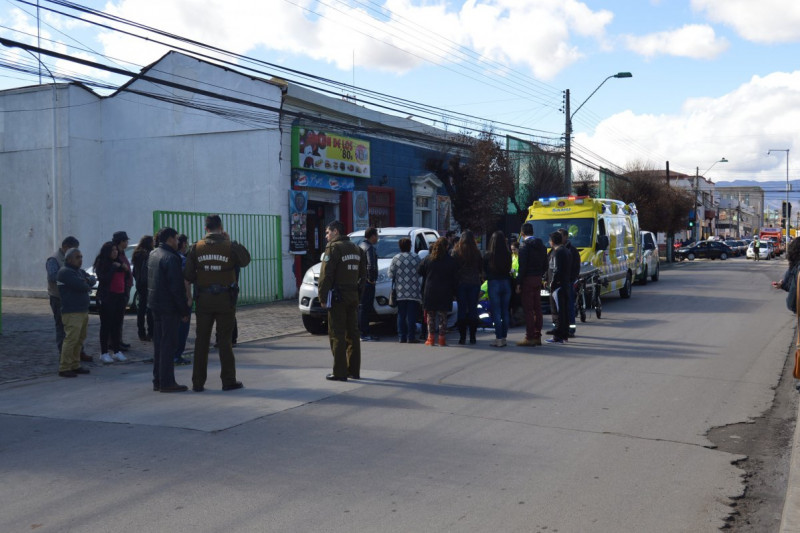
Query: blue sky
column 711, row 78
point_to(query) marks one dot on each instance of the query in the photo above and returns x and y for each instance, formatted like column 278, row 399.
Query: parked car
column 704, row 249
column 315, row 318
column 765, row 251
column 650, row 261
column 737, row 247
column 133, row 299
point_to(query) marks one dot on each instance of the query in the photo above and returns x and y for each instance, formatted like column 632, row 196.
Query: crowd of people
column 170, row 277
column 453, row 270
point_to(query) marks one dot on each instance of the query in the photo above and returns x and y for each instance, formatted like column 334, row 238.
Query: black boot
column 462, row 331
column 473, row 329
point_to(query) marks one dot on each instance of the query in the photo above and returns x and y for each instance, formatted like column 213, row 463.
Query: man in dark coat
column 532, row 268
column 366, row 307
column 560, row 264
column 574, row 274
column 169, row 303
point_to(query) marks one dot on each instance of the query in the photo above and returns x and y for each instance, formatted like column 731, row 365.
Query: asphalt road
column 605, row 434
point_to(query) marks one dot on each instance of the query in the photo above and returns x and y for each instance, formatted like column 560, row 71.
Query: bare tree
column 478, row 184
column 586, row 184
column 661, row 208
column 539, row 173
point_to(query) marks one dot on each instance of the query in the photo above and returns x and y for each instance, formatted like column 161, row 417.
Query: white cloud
column 741, row 126
column 692, row 40
column 532, row 33
column 765, row 21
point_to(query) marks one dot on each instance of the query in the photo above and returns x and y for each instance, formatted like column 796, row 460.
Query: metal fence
column 262, row 280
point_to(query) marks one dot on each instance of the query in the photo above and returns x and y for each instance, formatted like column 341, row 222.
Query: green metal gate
column 262, row 280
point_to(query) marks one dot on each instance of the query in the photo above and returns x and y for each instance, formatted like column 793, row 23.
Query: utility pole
column 670, row 234
column 696, row 213
column 567, row 148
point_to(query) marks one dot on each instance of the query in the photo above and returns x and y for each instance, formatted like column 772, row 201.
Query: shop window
column 381, row 207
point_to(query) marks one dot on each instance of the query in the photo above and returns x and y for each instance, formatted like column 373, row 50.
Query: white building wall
column 127, row 155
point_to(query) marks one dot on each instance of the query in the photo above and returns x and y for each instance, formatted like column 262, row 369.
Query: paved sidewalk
column 28, row 346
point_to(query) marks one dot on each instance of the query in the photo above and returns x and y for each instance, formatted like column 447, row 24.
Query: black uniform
column 210, row 265
column 343, row 272
column 560, row 266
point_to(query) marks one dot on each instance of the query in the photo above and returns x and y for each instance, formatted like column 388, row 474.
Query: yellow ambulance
column 605, row 232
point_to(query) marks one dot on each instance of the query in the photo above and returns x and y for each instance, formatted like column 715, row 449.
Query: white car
column 765, row 251
column 650, row 262
column 315, row 318
column 133, row 299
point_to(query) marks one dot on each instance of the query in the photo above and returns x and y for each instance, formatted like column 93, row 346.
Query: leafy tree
column 478, row 181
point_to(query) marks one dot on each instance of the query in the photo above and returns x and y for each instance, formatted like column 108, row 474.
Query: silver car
column 650, row 260
column 315, row 317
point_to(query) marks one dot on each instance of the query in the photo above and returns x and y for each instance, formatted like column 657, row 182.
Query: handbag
column 796, row 371
column 393, row 296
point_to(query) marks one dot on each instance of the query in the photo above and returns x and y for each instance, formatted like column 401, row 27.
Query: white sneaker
column 119, row 357
column 106, row 358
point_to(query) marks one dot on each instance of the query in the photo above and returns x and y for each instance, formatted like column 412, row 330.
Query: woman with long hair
column 144, row 318
column 111, row 301
column 497, row 268
column 470, row 277
column 404, row 274
column 439, row 273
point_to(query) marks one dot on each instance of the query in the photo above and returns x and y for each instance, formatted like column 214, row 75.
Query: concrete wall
column 122, row 157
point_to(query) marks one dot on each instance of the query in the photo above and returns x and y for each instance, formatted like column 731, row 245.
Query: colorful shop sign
column 320, row 180
column 331, row 153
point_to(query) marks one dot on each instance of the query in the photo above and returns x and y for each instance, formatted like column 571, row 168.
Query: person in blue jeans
column 403, row 271
column 497, row 268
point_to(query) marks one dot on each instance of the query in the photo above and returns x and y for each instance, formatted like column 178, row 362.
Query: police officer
column 211, row 265
column 341, row 277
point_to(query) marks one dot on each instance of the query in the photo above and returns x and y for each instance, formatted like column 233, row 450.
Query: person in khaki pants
column 74, row 285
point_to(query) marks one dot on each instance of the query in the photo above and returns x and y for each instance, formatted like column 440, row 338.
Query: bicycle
column 587, row 294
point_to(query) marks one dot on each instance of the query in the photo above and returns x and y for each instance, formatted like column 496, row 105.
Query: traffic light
column 783, row 209
column 789, row 211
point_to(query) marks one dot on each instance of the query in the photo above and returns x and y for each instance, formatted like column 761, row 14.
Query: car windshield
column 580, row 230
column 388, row 246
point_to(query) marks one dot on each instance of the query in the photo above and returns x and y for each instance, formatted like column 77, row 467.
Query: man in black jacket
column 169, row 303
column 532, row 267
column 574, row 274
column 365, row 309
column 560, row 265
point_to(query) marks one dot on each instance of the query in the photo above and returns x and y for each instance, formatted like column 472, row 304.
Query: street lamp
column 788, row 222
column 568, row 133
column 696, row 187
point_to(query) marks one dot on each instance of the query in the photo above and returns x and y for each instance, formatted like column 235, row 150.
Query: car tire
column 654, row 277
column 723, row 256
column 625, row 291
column 314, row 325
column 690, row 257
